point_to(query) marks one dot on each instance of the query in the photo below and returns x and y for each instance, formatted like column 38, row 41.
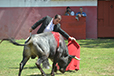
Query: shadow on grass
column 71, row 71
column 39, row 75
column 34, row 67
column 50, row 74
column 97, row 43
column 46, row 74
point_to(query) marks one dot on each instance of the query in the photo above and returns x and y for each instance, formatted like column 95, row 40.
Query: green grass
column 97, row 59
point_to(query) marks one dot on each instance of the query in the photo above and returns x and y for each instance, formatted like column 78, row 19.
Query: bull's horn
column 77, row 58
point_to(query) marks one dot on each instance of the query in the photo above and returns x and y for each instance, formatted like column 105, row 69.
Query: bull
column 45, row 46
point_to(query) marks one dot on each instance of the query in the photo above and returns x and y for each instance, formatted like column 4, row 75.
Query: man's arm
column 77, row 13
column 38, row 23
column 63, row 33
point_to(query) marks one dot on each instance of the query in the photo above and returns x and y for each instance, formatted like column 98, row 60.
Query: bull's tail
column 13, row 42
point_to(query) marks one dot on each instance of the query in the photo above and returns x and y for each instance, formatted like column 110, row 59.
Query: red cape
column 73, row 49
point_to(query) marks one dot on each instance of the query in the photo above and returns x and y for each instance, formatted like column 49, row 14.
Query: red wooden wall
column 106, row 18
column 16, row 21
column 73, row 27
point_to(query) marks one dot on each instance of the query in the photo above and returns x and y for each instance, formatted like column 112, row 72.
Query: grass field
column 97, row 59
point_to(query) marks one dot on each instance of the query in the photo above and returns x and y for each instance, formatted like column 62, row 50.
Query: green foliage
column 97, row 59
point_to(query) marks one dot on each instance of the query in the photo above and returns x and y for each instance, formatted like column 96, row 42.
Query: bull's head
column 64, row 62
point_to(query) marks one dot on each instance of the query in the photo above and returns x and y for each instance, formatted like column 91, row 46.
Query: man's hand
column 30, row 30
column 72, row 38
column 79, row 15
